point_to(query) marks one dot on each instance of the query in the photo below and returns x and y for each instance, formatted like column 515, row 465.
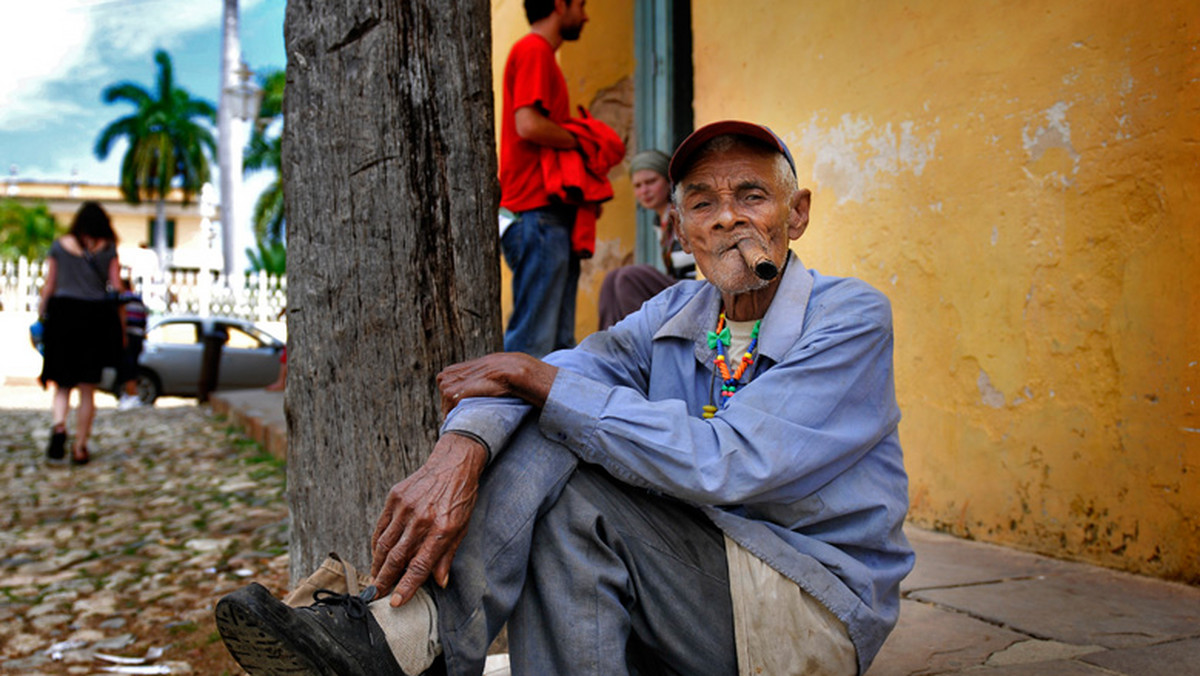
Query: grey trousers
column 593, row 576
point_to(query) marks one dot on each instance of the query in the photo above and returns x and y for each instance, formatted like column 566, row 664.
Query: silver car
column 174, row 350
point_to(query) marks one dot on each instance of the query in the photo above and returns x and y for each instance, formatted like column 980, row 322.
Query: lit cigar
column 757, row 259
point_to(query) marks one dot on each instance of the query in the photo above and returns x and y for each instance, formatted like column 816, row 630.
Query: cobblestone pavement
column 126, row 556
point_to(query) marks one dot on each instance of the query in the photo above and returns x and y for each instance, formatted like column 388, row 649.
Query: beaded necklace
column 719, row 340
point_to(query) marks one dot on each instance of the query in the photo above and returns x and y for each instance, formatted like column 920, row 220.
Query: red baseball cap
column 682, row 159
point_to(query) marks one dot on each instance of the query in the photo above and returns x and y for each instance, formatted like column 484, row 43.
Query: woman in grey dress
column 83, row 332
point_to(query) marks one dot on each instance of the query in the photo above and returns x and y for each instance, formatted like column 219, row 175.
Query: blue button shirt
column 802, row 467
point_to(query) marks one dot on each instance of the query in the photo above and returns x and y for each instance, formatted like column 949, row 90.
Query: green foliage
column 271, row 107
column 26, row 231
column 169, row 142
column 270, row 257
column 264, row 153
column 268, row 217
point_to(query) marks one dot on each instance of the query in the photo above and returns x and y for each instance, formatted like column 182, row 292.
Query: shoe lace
column 355, row 604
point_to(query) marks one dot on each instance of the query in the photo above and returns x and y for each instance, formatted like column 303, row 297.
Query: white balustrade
column 260, row 298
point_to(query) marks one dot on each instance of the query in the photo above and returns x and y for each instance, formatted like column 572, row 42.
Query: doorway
column 662, row 93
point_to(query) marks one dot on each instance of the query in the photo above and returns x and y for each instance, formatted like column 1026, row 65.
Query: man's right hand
column 425, row 518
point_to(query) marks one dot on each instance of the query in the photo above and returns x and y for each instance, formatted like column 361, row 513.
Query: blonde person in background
column 83, row 329
column 626, row 288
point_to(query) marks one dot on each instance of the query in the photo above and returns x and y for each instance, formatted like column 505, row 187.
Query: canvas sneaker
column 334, row 575
column 128, row 402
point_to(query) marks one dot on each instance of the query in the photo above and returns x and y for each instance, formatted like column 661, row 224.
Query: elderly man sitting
column 712, row 486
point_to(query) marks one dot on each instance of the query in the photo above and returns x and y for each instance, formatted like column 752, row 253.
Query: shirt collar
column 780, row 326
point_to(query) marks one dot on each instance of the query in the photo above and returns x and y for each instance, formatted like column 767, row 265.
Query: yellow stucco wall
column 1021, row 180
column 598, row 69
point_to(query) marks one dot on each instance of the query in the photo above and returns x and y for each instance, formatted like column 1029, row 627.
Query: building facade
column 1021, row 180
column 190, row 244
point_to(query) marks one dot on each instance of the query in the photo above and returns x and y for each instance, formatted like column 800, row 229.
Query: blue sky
column 56, row 56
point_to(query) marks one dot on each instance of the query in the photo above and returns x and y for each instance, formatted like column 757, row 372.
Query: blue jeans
column 537, row 248
column 593, row 576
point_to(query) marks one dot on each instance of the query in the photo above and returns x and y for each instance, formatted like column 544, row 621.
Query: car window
column 174, row 333
column 262, row 336
column 240, row 339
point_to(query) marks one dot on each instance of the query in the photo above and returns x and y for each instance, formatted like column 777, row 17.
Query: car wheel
column 148, row 386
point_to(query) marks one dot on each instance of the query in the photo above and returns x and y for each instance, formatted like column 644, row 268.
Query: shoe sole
column 259, row 652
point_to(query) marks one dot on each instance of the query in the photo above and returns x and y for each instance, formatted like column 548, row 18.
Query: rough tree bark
column 390, row 172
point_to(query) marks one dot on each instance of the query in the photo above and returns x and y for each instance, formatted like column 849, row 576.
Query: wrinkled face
column 733, row 194
column 573, row 19
column 651, row 189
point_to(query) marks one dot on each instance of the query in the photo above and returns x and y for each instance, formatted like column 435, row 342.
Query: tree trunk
column 391, row 194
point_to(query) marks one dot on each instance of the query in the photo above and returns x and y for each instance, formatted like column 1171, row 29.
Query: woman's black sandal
column 57, row 450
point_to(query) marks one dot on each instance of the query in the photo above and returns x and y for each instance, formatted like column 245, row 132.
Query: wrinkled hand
column 505, row 374
column 425, row 518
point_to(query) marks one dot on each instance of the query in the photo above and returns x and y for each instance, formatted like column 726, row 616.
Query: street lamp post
column 246, row 96
column 238, row 106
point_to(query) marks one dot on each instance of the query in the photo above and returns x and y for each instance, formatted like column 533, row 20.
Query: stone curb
column 260, row 415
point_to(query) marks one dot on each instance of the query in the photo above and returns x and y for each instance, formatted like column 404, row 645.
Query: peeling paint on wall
column 1053, row 133
column 854, row 158
column 989, row 395
column 613, row 106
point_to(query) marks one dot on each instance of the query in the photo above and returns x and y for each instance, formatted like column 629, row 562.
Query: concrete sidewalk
column 973, row 607
column 978, row 608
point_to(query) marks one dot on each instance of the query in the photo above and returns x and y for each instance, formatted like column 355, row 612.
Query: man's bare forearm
column 535, row 127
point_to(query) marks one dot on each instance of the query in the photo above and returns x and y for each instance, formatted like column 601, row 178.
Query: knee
column 530, row 461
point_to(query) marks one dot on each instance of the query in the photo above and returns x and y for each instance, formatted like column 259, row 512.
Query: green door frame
column 662, row 93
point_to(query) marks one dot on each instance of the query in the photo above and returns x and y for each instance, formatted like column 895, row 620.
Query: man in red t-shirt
column 537, row 245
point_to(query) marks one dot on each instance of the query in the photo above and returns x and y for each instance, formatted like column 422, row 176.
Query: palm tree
column 270, row 257
column 263, row 152
column 167, row 143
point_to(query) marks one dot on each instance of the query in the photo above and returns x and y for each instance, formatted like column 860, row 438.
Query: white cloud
column 30, row 59
column 140, row 26
column 49, row 43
